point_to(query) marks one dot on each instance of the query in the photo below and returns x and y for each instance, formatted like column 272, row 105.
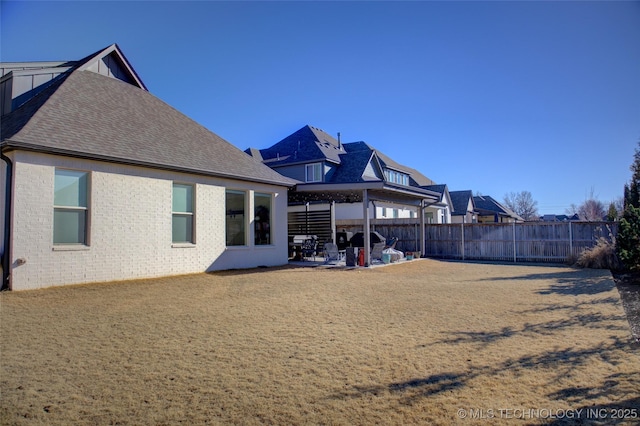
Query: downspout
column 6, row 254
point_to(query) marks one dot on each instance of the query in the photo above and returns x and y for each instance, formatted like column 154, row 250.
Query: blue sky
column 489, row 96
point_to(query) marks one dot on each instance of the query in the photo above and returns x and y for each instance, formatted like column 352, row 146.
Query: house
column 103, row 181
column 559, row 218
column 491, row 211
column 349, row 180
column 464, row 209
column 441, row 210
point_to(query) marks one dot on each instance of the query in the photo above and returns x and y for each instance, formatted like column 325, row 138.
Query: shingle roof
column 460, row 201
column 440, row 189
column 307, row 144
column 95, row 116
column 489, row 204
column 352, row 168
column 418, row 178
column 310, row 144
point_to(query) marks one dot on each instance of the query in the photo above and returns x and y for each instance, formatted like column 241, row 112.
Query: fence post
column 570, row 241
column 462, row 225
column 515, row 257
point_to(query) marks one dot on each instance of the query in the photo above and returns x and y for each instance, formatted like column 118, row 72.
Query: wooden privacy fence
column 515, row 242
column 554, row 242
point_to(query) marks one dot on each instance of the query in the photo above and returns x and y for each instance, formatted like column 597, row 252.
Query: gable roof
column 21, row 81
column 89, row 115
column 440, row 189
column 460, row 201
column 353, row 165
column 488, row 205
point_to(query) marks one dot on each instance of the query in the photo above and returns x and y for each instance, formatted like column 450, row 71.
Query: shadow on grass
column 574, row 307
column 562, row 362
column 624, row 411
column 411, row 389
column 571, row 282
column 485, row 338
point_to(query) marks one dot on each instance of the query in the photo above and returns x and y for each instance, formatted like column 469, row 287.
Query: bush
column 601, row 256
column 629, row 238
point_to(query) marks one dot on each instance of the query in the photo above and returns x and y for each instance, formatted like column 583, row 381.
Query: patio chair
column 331, row 253
column 309, row 248
column 391, row 243
column 376, row 251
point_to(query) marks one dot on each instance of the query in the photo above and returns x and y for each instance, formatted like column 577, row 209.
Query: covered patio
column 365, row 193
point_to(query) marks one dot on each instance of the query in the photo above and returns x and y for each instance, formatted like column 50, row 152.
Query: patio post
column 423, row 247
column 366, row 224
column 333, row 222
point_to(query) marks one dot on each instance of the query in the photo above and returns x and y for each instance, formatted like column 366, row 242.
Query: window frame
column 85, row 209
column 228, row 212
column 399, row 178
column 191, row 214
column 315, row 168
column 269, row 232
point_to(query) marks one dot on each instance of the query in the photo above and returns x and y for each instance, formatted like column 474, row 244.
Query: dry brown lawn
column 413, row 343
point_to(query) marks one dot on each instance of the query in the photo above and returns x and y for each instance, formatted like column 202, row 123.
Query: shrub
column 601, row 256
column 629, row 238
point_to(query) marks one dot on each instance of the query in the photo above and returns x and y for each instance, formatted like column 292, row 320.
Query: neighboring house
column 439, row 212
column 354, row 179
column 559, row 218
column 491, row 211
column 103, row 181
column 464, row 209
column 312, row 156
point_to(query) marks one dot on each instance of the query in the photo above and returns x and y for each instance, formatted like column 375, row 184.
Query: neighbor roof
column 486, row 204
column 460, row 201
column 93, row 116
column 307, row 144
column 310, row 144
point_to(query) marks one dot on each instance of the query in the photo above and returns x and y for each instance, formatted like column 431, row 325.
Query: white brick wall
column 130, row 225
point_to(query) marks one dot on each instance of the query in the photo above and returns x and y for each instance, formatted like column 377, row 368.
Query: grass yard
column 425, row 342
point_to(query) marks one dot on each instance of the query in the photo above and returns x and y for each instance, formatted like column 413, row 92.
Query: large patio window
column 182, row 220
column 262, row 218
column 235, row 206
column 314, row 172
column 70, row 207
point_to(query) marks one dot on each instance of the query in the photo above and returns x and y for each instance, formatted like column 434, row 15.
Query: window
column 428, row 217
column 182, row 221
column 235, row 218
column 397, row 177
column 262, row 218
column 314, row 172
column 70, row 207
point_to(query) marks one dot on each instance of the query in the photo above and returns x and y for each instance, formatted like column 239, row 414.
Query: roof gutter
column 6, row 253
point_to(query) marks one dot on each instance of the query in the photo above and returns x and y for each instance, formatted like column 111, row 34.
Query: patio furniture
column 296, row 243
column 376, row 251
column 391, row 243
column 331, row 253
column 309, row 248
